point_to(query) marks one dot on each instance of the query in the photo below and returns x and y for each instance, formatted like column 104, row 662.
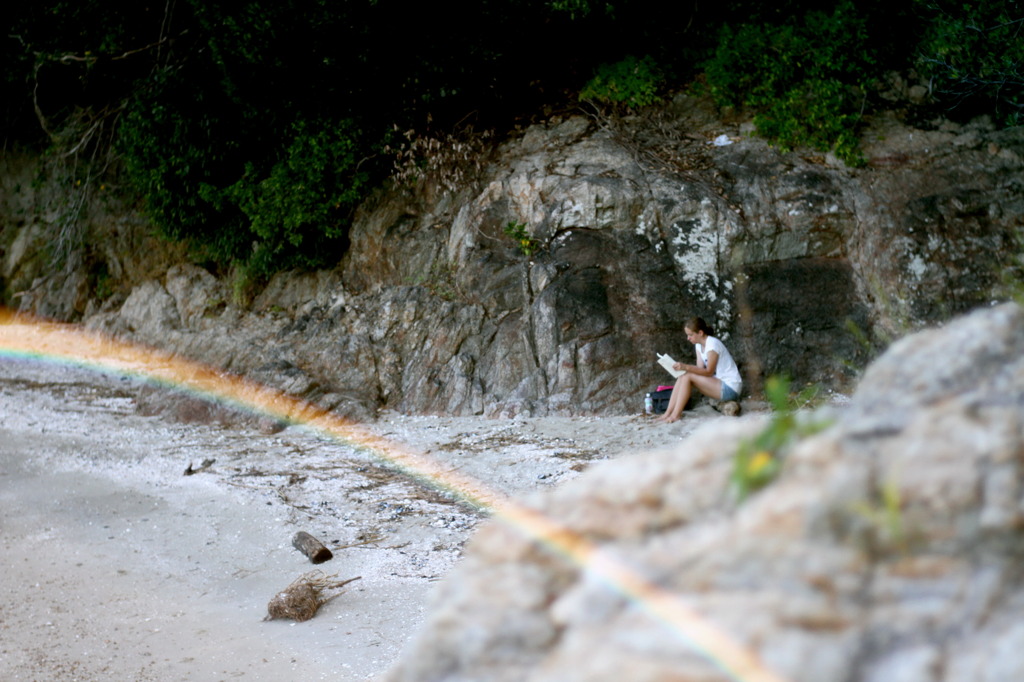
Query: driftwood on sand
column 311, row 547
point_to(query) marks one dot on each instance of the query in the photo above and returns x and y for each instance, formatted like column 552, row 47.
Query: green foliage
column 886, row 520
column 244, row 281
column 171, row 151
column 1012, row 277
column 752, row 470
column 101, row 283
column 805, row 79
column 309, row 195
column 974, row 55
column 212, row 174
column 524, row 241
column 580, row 8
column 759, row 460
column 632, row 82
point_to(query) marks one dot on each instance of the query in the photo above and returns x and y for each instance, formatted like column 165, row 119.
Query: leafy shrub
column 806, row 79
column 524, row 242
column 758, row 460
column 306, row 199
column 577, row 9
column 286, row 210
column 974, row 53
column 890, row 532
column 632, row 83
column 174, row 150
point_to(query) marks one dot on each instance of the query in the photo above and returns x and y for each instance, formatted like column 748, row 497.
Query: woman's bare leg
column 709, row 386
column 677, row 403
column 671, row 404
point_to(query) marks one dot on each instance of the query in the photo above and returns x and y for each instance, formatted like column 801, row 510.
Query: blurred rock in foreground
column 889, row 549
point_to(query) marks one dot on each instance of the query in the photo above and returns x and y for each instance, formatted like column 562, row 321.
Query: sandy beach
column 117, row 565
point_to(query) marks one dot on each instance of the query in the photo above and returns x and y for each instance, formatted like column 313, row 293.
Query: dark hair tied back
column 698, row 324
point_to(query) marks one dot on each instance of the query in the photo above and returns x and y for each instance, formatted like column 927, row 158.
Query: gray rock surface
column 887, row 550
column 803, row 265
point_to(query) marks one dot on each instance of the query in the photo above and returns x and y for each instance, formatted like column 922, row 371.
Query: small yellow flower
column 759, row 462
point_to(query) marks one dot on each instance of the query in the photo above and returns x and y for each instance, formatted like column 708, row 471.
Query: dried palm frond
column 303, row 598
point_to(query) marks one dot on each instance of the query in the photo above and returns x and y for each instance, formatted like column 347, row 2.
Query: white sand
column 118, row 566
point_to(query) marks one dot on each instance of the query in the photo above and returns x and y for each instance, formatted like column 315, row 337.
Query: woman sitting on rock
column 715, row 374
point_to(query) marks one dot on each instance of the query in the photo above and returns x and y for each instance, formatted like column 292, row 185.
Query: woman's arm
column 701, row 370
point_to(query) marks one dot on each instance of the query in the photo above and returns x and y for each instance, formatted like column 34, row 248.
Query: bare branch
column 35, row 101
column 92, row 59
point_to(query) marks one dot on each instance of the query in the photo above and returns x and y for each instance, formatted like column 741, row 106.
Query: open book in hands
column 667, row 362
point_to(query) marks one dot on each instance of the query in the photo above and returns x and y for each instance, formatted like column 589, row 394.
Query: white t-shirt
column 726, row 369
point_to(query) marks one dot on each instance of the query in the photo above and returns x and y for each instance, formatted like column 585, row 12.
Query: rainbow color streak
column 23, row 337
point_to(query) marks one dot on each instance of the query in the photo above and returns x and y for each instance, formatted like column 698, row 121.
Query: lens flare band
column 23, row 337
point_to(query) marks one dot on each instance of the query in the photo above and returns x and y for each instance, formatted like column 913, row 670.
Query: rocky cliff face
column 638, row 225
column 887, row 550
